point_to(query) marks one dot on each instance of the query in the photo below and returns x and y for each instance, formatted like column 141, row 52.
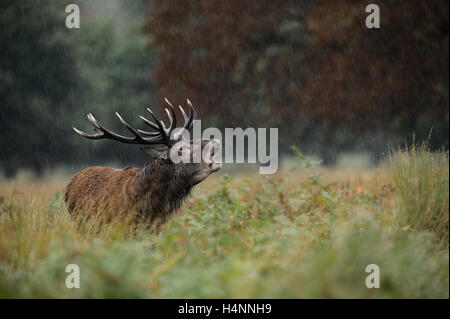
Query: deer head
column 177, row 155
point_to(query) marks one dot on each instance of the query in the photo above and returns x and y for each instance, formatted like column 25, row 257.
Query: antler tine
column 192, row 109
column 106, row 134
column 169, row 116
column 163, row 125
column 150, row 123
column 188, row 120
column 172, row 116
column 154, row 134
column 183, row 113
column 160, row 126
column 158, row 123
column 93, row 122
column 192, row 115
column 131, row 129
column 95, row 136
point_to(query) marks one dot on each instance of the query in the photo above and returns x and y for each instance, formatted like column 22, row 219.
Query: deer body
column 152, row 192
column 148, row 192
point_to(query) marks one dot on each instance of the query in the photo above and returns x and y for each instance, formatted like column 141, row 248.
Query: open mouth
column 213, row 165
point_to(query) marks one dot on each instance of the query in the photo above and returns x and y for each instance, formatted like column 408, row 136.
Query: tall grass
column 421, row 180
column 297, row 234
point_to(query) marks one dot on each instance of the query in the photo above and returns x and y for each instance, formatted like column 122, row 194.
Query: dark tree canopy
column 311, row 68
column 51, row 76
column 37, row 78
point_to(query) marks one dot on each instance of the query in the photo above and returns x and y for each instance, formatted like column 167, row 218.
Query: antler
column 161, row 136
column 188, row 121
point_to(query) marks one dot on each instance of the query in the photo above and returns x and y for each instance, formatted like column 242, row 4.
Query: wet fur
column 151, row 193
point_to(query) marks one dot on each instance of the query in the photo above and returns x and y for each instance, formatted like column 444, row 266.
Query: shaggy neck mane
column 161, row 188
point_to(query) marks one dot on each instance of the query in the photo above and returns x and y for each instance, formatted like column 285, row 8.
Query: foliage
column 115, row 66
column 51, row 76
column 37, row 79
column 421, row 179
column 284, row 236
column 311, row 68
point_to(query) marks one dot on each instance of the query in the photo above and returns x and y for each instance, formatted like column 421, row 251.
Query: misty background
column 310, row 68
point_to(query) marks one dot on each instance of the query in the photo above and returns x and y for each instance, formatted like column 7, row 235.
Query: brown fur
column 151, row 193
column 107, row 189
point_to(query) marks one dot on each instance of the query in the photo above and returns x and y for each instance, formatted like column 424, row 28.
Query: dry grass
column 303, row 233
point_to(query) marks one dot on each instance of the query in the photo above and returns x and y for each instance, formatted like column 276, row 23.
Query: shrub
column 421, row 182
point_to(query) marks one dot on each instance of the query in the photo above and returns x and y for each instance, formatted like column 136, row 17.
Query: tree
column 311, row 68
column 115, row 64
column 51, row 76
column 37, row 79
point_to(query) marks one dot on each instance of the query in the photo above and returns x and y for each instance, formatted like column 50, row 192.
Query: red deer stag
column 154, row 191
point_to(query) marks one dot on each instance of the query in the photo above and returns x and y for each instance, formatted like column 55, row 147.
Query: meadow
column 305, row 232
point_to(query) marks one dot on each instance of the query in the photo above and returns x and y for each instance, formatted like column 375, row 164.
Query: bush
column 249, row 236
column 421, row 181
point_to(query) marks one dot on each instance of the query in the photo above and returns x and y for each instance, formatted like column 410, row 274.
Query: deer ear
column 155, row 152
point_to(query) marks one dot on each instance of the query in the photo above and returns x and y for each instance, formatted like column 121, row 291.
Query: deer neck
column 160, row 189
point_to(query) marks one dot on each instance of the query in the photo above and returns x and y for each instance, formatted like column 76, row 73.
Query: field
column 306, row 232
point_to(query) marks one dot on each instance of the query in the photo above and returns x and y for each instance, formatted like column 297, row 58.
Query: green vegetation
column 305, row 232
column 421, row 180
column 51, row 77
column 289, row 65
column 297, row 234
